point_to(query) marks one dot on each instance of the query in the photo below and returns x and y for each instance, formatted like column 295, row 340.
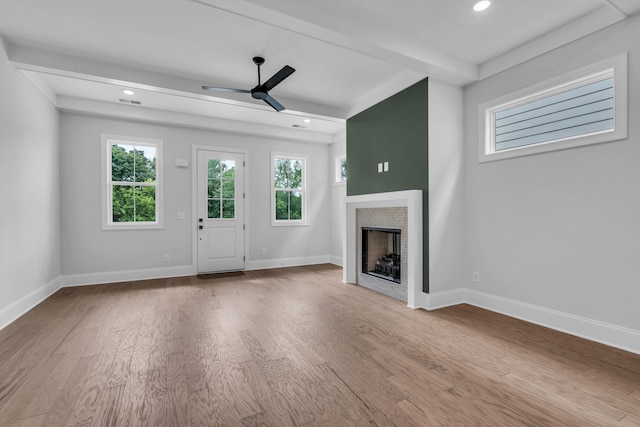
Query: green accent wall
column 395, row 131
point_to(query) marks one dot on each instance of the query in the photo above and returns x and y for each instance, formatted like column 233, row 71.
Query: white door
column 220, row 220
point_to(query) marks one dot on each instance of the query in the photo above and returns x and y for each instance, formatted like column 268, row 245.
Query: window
column 288, row 185
column 132, row 197
column 221, row 184
column 587, row 106
column 341, row 169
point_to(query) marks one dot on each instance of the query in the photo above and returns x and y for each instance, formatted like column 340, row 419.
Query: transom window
column 583, row 107
column 289, row 189
column 132, row 171
column 221, row 176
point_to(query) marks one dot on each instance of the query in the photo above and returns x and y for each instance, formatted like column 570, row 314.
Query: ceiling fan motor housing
column 258, row 93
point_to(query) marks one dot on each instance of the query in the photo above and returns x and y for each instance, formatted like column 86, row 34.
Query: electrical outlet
column 166, row 257
column 264, row 251
column 476, row 276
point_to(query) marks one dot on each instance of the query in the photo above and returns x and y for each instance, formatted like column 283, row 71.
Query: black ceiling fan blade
column 278, row 77
column 275, row 104
column 225, row 89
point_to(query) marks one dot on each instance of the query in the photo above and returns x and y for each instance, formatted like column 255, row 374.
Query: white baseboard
column 16, row 309
column 287, row 262
column 594, row 330
column 127, row 275
column 336, row 260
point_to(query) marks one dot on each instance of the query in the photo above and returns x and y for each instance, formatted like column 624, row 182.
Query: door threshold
column 220, row 274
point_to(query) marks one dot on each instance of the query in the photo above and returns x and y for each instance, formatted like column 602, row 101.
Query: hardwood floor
column 296, row 347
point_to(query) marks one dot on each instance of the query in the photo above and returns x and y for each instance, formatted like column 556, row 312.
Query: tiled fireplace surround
column 386, row 210
column 389, row 218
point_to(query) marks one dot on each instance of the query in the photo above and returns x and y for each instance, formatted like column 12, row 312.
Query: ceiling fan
column 262, row 90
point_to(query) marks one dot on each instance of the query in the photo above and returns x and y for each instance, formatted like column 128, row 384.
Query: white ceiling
column 348, row 55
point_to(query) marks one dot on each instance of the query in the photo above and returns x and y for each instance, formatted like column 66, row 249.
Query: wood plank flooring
column 296, row 347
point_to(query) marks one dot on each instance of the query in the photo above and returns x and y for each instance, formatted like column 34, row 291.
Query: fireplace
column 394, row 210
column 381, row 253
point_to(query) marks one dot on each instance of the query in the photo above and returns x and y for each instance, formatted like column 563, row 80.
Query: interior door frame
column 194, row 199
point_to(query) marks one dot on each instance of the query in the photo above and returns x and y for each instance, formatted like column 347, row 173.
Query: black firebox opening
column 381, row 253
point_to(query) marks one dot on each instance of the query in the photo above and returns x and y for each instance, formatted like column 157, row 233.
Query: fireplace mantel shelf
column 412, row 200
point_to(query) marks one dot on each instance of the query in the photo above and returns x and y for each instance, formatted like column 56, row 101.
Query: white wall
column 559, row 230
column 445, row 187
column 88, row 251
column 29, row 194
column 338, row 193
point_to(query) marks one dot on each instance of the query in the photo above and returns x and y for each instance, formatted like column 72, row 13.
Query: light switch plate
column 379, row 167
column 386, row 166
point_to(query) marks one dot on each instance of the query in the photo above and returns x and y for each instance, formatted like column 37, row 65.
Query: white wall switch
column 182, row 163
column 379, row 167
column 181, row 215
column 386, row 166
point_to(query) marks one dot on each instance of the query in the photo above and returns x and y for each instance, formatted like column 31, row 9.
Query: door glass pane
column 214, row 209
column 228, row 169
column 221, row 189
column 213, row 168
column 228, row 209
column 214, row 189
column 228, row 189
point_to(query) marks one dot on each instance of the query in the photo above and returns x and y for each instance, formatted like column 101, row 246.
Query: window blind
column 582, row 110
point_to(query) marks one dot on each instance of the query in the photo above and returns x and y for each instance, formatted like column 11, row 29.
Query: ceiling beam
column 32, row 59
column 429, row 61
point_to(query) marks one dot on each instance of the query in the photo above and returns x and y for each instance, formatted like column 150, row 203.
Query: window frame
column 337, row 172
column 615, row 67
column 107, row 183
column 305, row 170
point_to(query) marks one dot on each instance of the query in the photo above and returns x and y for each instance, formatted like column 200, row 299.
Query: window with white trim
column 132, row 193
column 587, row 106
column 341, row 169
column 288, row 184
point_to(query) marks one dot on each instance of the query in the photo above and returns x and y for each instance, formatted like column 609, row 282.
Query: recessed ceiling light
column 307, row 120
column 481, row 5
column 128, row 92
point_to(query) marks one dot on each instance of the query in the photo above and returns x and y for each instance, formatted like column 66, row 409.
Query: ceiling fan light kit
column 261, row 91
